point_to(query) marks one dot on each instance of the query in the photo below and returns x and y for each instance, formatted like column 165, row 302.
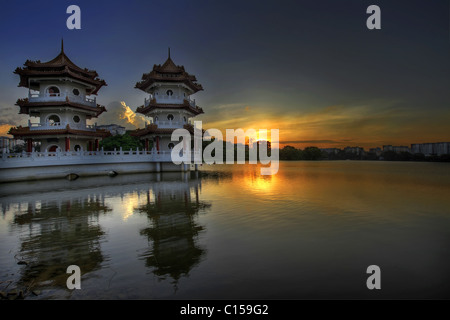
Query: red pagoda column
column 67, row 143
column 157, row 144
column 96, row 145
column 29, row 145
column 146, row 144
column 90, row 146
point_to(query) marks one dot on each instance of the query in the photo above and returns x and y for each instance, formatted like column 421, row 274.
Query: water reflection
column 97, row 224
column 318, row 224
column 56, row 233
column 171, row 209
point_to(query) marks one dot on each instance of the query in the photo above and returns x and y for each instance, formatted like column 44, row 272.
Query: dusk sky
column 311, row 69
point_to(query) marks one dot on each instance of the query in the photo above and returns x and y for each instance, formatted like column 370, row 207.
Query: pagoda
column 60, row 95
column 169, row 104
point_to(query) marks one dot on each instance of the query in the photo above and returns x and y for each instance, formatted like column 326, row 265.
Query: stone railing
column 169, row 124
column 47, row 97
column 31, row 159
column 59, row 125
column 169, row 100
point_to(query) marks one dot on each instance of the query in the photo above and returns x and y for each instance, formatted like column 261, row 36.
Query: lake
column 226, row 232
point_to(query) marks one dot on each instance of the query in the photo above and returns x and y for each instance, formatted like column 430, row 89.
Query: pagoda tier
column 63, row 138
column 33, row 108
column 152, row 105
column 26, row 132
column 170, row 73
column 153, row 129
column 160, row 137
column 59, row 68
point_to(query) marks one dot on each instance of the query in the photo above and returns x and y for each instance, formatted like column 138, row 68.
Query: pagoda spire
column 62, row 49
column 169, row 52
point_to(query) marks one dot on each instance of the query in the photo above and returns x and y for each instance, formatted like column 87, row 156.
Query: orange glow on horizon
column 4, row 128
column 366, row 126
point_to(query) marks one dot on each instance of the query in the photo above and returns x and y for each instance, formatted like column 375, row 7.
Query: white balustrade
column 59, row 125
column 36, row 159
column 169, row 124
column 47, row 97
column 165, row 99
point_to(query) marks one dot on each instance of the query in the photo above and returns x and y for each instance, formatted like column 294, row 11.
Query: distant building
column 5, row 144
column 428, row 149
column 355, row 150
column 114, row 129
column 331, row 150
column 441, row 148
column 396, row 149
column 8, row 144
column 377, row 151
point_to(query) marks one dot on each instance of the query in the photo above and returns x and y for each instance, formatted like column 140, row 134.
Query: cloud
column 310, row 141
column 4, row 128
column 10, row 115
column 118, row 112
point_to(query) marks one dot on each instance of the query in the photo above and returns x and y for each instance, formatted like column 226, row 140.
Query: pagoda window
column 77, row 147
column 171, row 146
column 156, row 118
column 53, row 91
column 170, row 117
column 169, row 93
column 53, row 120
column 76, row 92
column 76, row 119
column 53, row 148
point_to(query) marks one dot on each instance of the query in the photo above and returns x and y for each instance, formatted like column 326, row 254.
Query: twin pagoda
column 63, row 97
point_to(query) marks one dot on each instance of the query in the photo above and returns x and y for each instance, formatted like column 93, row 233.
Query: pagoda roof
column 168, row 72
column 25, row 131
column 60, row 66
column 153, row 129
column 153, row 105
column 25, row 106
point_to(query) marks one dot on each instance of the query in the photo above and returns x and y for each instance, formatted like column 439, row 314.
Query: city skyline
column 314, row 71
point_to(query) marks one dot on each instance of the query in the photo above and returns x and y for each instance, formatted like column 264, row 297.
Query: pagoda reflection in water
column 64, row 222
column 56, row 233
column 172, row 208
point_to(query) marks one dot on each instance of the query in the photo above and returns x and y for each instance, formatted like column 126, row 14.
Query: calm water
column 309, row 231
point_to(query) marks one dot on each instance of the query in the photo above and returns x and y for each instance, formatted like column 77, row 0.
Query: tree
column 389, row 155
column 290, row 153
column 125, row 141
column 312, row 153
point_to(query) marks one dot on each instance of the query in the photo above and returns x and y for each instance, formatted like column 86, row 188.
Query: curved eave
column 19, row 132
column 153, row 129
column 153, row 106
column 60, row 61
column 150, row 79
column 25, row 105
column 25, row 74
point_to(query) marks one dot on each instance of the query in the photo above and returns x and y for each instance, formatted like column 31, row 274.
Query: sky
column 311, row 69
